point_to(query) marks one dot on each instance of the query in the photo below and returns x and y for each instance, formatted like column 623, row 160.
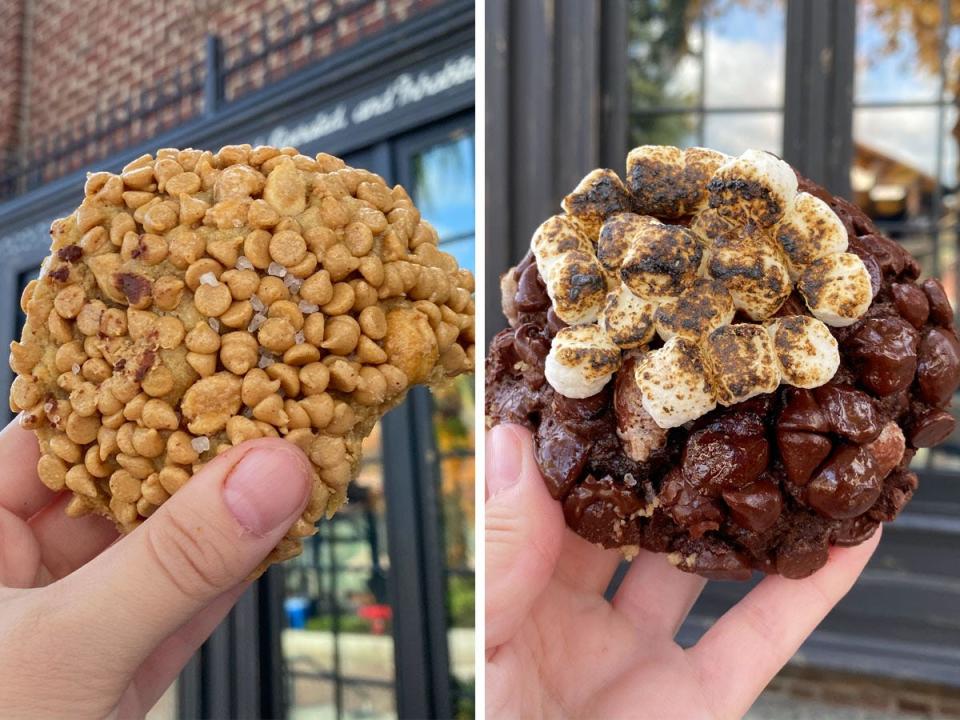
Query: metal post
column 818, row 103
column 213, row 85
column 416, row 571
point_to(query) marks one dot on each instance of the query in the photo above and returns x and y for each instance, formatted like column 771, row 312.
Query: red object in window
column 377, row 615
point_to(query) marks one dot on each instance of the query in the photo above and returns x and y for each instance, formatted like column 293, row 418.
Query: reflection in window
column 443, row 181
column 443, row 190
column 904, row 172
column 721, row 61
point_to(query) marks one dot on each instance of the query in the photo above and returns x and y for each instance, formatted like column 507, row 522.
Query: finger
column 21, row 491
column 654, row 595
column 204, row 540
column 165, row 663
column 67, row 543
column 524, row 531
column 19, row 552
column 585, row 566
column 768, row 626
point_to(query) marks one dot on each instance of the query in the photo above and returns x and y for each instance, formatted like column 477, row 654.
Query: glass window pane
column 678, row 129
column 664, row 55
column 443, row 186
column 898, row 51
column 339, row 630
column 743, row 47
column 733, row 133
column 444, row 171
column 894, row 175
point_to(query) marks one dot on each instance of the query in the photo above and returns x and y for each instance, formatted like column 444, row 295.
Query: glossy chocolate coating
column 767, row 485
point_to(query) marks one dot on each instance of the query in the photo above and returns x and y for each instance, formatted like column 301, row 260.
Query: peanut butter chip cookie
column 199, row 299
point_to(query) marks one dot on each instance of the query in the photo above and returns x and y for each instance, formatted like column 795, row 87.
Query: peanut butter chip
column 197, row 300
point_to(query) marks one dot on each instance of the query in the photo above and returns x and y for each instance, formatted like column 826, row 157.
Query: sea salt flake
column 293, row 283
column 210, row 279
column 257, row 303
column 276, row 269
column 299, row 337
column 307, row 307
column 76, row 369
column 629, row 480
column 266, row 360
column 200, row 444
column 214, row 324
column 256, row 322
column 243, row 263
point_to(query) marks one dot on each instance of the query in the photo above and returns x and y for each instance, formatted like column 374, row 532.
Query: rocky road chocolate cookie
column 197, row 300
column 722, row 362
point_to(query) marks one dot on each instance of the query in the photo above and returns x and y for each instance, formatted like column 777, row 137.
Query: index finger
column 746, row 647
column 21, row 491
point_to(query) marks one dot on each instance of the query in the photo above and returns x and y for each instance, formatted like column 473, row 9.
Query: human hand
column 97, row 628
column 557, row 649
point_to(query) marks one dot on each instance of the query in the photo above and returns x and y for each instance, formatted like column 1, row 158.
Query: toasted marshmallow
column 699, row 310
column 627, row 319
column 754, row 271
column 654, row 175
column 675, row 383
column 577, row 286
column 836, row 288
column 756, row 186
column 810, row 230
column 662, row 262
column 582, row 359
column 808, row 354
column 742, row 362
column 617, row 235
column 699, row 166
column 555, row 236
column 599, row 195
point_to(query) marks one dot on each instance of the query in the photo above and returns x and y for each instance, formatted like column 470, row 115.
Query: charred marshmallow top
column 618, row 276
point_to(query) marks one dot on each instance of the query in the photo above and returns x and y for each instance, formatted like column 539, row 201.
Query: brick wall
column 84, row 61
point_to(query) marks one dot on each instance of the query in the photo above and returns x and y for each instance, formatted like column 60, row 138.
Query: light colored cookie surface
column 197, row 300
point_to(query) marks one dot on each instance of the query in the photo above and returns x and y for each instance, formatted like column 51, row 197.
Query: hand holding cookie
column 120, row 619
column 559, row 649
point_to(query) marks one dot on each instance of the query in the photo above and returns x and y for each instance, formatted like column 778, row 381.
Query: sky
column 745, row 67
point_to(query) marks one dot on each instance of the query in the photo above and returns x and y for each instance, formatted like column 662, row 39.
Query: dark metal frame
column 556, row 109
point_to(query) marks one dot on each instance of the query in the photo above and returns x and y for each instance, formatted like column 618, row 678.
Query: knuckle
column 188, row 555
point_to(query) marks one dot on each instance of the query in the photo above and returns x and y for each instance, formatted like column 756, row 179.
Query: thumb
column 524, row 528
column 204, row 540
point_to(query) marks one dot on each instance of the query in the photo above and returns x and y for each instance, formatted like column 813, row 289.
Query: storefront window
column 443, row 190
column 707, row 73
column 904, row 172
column 338, row 642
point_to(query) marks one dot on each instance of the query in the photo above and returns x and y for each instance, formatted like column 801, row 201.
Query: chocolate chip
column 70, row 253
column 531, row 294
column 561, row 455
column 885, row 348
column 850, row 412
column 801, row 454
column 146, row 362
column 931, row 428
column 602, row 511
column 755, row 506
column 911, row 302
column 801, row 412
column 729, row 452
column 60, row 274
column 134, row 287
column 940, row 311
column 847, row 485
column 938, row 368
